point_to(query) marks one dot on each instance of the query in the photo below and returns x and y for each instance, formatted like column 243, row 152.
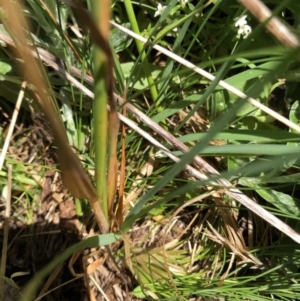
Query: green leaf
column 246, row 150
column 5, row 67
column 67, row 117
column 119, row 40
column 140, row 81
column 285, row 203
column 246, row 135
column 295, row 112
column 242, row 82
column 176, row 107
column 294, row 178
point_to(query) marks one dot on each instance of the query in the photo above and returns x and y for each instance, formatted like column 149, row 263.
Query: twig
column 5, row 231
column 12, row 124
column 278, row 29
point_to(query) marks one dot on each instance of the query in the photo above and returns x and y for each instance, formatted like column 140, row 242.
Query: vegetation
column 187, row 188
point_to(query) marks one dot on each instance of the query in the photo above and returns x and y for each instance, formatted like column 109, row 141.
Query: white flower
column 241, row 21
column 160, row 10
column 244, row 29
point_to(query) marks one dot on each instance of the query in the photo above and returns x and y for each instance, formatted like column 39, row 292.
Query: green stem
column 140, row 47
column 100, row 117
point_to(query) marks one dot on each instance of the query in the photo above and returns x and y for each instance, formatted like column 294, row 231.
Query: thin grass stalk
column 112, row 173
column 100, row 11
column 5, row 230
column 122, row 173
column 142, row 53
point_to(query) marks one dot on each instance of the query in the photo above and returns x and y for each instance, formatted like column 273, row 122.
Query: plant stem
column 100, row 119
column 141, row 50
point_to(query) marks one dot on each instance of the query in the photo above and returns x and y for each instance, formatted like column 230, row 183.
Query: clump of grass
column 216, row 223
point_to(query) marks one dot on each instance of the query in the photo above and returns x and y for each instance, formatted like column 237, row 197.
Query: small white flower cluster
column 161, row 8
column 244, row 29
column 183, row 1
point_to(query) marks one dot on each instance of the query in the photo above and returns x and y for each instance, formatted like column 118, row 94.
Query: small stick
column 12, row 124
column 275, row 26
column 5, row 230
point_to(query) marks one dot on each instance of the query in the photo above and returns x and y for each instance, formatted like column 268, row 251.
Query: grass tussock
column 149, row 151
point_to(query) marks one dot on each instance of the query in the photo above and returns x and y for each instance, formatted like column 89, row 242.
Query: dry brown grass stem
column 274, row 25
